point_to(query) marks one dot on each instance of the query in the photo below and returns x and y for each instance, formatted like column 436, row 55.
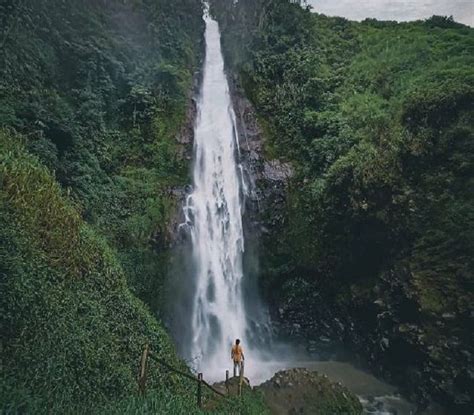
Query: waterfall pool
column 376, row 396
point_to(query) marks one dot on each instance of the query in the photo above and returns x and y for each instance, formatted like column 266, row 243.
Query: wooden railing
column 147, row 353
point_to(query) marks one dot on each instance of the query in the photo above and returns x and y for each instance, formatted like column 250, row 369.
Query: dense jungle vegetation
column 100, row 90
column 92, row 96
column 376, row 120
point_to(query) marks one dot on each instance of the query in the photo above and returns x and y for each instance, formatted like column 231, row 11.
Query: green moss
column 302, row 391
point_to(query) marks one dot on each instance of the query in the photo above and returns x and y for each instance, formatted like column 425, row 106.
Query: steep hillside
column 374, row 248
column 72, row 332
column 101, row 89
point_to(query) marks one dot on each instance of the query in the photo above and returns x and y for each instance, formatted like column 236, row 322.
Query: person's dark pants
column 240, row 366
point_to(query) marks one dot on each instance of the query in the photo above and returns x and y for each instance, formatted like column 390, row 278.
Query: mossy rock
column 301, row 391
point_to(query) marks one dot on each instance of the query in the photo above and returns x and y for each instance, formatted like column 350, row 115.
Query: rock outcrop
column 300, row 391
column 265, row 180
column 427, row 355
column 175, row 233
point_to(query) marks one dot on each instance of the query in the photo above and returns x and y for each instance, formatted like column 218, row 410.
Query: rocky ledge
column 301, row 391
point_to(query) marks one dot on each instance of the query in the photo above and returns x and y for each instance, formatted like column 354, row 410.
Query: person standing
column 237, row 355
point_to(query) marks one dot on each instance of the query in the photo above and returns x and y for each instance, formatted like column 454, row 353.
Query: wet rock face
column 265, row 180
column 300, row 391
column 175, row 232
column 428, row 356
column 305, row 317
column 185, row 136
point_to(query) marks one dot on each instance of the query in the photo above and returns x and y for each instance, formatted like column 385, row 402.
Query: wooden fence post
column 142, row 375
column 199, row 390
column 241, row 377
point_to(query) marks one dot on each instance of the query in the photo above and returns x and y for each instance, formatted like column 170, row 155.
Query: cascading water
column 213, row 300
column 214, row 303
column 214, row 213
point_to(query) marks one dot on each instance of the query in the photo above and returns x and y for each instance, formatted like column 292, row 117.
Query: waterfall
column 214, row 213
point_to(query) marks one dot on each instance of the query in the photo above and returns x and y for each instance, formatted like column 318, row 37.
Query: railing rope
column 163, row 363
column 200, row 380
column 212, row 389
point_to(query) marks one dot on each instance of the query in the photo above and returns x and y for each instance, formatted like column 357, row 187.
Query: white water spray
column 214, row 211
column 213, row 214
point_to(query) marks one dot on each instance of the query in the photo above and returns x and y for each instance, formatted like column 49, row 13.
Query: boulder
column 301, row 391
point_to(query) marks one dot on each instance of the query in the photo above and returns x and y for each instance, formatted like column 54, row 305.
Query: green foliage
column 100, row 90
column 376, row 118
column 250, row 403
column 163, row 402
column 72, row 331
